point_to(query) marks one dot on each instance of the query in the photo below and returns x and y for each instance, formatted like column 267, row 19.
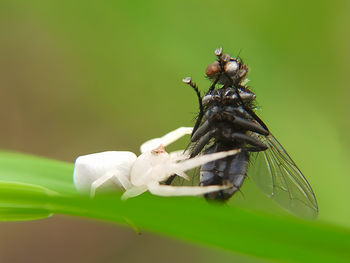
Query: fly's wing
column 276, row 174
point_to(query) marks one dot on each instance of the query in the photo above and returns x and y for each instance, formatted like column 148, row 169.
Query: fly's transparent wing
column 276, row 174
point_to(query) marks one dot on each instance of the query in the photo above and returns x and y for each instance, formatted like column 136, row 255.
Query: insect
column 136, row 175
column 226, row 121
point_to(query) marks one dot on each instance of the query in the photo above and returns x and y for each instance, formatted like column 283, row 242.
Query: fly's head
column 226, row 70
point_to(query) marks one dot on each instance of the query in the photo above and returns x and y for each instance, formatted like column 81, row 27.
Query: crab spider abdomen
column 89, row 168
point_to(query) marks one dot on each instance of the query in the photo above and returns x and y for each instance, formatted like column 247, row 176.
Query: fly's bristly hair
column 227, row 121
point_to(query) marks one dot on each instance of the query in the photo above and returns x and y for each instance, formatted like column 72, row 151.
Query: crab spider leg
column 166, row 139
column 183, row 175
column 167, row 190
column 99, row 183
column 134, row 191
column 179, row 155
column 198, row 161
column 116, row 177
column 123, row 180
column 175, row 135
column 192, row 163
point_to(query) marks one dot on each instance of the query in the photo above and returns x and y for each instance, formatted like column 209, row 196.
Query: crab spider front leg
column 166, row 139
column 199, row 160
column 168, row 190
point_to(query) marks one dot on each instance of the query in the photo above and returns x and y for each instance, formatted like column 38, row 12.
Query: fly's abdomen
column 230, row 170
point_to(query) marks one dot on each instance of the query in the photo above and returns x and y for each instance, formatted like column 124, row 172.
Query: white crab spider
column 136, row 175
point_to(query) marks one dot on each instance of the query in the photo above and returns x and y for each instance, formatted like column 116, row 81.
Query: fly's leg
column 189, row 82
column 249, row 125
column 256, row 149
column 244, row 123
column 257, row 145
column 202, row 129
column 204, row 140
column 250, row 140
column 252, row 113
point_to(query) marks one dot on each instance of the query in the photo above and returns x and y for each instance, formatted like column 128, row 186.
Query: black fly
column 227, row 121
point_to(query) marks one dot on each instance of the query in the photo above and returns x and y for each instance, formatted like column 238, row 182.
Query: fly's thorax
column 246, row 94
column 228, row 95
column 228, row 107
column 146, row 168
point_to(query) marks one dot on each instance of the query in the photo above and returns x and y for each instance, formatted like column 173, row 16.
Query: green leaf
column 14, row 207
column 32, row 188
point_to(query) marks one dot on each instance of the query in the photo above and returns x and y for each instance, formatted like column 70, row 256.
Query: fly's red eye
column 213, row 69
column 231, row 67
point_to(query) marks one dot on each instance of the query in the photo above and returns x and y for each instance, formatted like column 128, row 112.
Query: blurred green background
column 78, row 77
